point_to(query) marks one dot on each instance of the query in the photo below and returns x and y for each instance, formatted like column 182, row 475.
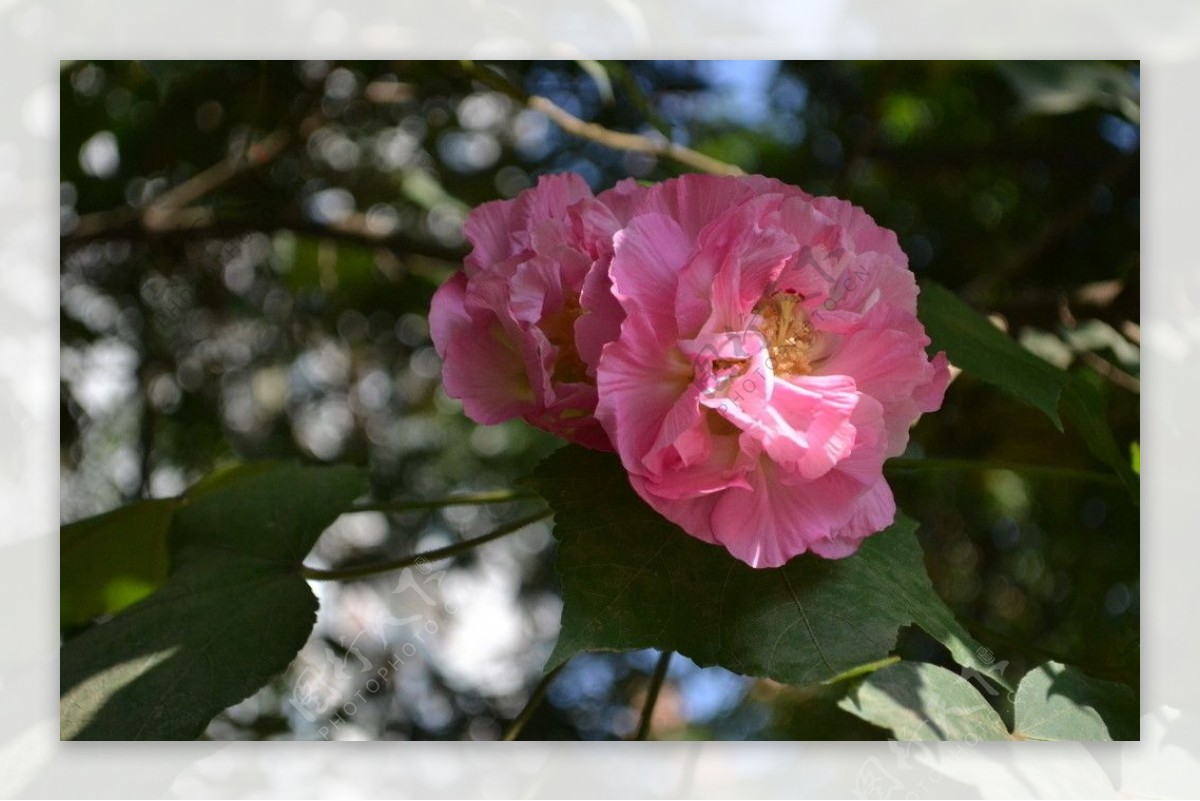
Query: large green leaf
column 984, row 351
column 918, row 701
column 113, row 560
column 1056, row 702
column 631, row 579
column 233, row 613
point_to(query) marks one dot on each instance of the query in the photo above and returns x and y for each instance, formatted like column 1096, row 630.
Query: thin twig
column 436, row 555
column 1105, row 368
column 1110, row 371
column 535, row 700
column 1050, row 471
column 474, row 499
column 170, row 210
column 197, row 223
column 617, row 140
column 656, row 683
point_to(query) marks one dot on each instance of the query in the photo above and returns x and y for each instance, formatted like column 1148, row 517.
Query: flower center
column 559, row 328
column 789, row 335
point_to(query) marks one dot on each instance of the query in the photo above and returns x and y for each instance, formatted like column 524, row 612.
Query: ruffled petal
column 639, row 381
column 647, row 257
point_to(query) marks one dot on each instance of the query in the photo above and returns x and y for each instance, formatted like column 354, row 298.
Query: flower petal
column 647, row 257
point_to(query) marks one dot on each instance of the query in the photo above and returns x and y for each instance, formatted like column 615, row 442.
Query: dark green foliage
column 631, row 579
column 233, row 613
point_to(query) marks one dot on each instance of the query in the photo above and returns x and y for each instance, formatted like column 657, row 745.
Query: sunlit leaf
column 233, row 613
column 1057, row 702
column 631, row 579
column 918, row 701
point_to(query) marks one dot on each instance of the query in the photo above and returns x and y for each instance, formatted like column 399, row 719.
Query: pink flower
column 769, row 360
column 515, row 336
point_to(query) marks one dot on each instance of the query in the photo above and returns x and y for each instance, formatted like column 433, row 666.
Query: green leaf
column 1083, row 406
column 233, row 613
column 986, row 352
column 631, row 579
column 598, row 72
column 918, row 701
column 226, row 475
column 1056, row 702
column 112, row 560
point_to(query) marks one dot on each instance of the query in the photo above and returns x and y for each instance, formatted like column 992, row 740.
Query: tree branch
column 168, row 211
column 617, row 140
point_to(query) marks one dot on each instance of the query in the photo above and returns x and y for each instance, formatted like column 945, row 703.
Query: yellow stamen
column 788, row 333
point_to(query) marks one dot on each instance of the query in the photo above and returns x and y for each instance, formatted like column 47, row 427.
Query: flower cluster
column 751, row 352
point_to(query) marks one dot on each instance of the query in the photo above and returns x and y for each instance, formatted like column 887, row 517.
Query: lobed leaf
column 631, row 579
column 919, row 701
column 1057, row 702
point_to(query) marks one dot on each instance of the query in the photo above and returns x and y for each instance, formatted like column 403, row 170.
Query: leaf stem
column 1050, row 471
column 473, row 499
column 535, row 700
column 367, row 571
column 617, row 140
column 862, row 670
column 656, row 683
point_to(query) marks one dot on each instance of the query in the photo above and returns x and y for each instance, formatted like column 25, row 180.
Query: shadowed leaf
column 631, row 579
column 984, row 351
column 233, row 613
column 113, row 560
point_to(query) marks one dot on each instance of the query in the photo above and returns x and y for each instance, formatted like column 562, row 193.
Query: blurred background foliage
column 248, row 254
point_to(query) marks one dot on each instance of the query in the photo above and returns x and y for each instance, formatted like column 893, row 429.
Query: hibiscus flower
column 768, row 361
column 511, row 327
